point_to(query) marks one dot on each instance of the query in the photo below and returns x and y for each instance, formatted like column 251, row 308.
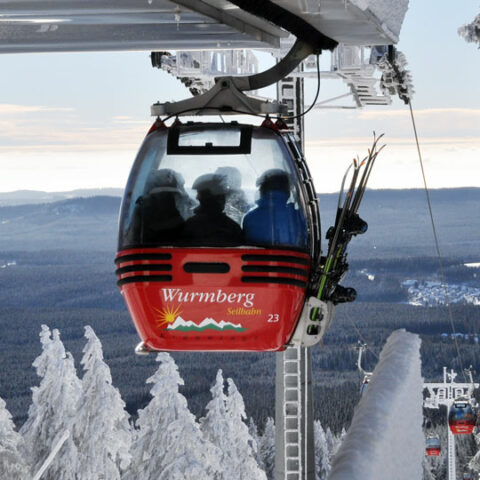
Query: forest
column 82, row 417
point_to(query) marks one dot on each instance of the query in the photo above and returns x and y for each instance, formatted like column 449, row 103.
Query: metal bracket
column 300, row 336
column 227, row 97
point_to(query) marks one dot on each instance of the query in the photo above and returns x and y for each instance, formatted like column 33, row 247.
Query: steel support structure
column 294, row 442
column 451, row 454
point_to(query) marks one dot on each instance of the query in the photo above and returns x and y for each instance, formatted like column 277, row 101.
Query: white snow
column 433, row 293
column 472, row 265
column 385, row 439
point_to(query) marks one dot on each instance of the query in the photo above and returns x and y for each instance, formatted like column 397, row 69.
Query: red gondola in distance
column 461, row 417
column 433, row 447
column 218, row 233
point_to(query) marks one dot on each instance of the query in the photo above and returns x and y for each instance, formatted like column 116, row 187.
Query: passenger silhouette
column 157, row 217
column 209, row 225
column 236, row 204
column 275, row 221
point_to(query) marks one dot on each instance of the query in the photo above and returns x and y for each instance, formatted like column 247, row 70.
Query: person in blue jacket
column 275, row 221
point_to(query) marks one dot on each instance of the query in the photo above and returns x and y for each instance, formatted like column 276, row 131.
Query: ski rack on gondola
column 318, row 313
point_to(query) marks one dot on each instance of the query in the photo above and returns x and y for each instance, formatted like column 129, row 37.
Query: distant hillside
column 22, row 197
column 399, row 224
column 80, row 223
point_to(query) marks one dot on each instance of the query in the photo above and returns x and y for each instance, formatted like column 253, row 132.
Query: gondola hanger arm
column 227, row 97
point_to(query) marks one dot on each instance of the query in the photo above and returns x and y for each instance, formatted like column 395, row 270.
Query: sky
column 76, row 120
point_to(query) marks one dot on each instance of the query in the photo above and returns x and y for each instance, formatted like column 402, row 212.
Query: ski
column 347, row 225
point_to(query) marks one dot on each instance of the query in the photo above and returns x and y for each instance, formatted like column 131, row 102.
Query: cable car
column 461, row 417
column 219, row 237
column 467, row 476
column 433, row 446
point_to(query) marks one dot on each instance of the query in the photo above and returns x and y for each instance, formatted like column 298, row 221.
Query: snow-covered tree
column 169, row 443
column 253, row 431
column 267, row 448
column 53, row 409
column 241, row 450
column 322, row 465
column 427, row 470
column 214, row 424
column 471, row 31
column 101, row 430
column 12, row 463
column 333, row 443
column 224, row 426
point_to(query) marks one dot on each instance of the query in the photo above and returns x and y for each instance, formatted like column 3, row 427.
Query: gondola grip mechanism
column 227, row 96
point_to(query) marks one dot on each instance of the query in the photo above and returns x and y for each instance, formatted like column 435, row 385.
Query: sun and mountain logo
column 170, row 317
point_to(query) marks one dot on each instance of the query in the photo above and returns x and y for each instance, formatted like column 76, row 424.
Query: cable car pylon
column 460, row 403
column 294, row 437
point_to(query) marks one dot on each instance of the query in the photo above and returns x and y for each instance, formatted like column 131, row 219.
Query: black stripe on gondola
column 144, row 268
column 268, row 268
column 143, row 256
column 204, row 267
column 282, row 280
column 144, row 278
column 275, row 258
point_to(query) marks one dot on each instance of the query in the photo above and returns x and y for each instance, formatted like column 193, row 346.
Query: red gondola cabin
column 219, row 233
column 461, row 417
column 433, row 446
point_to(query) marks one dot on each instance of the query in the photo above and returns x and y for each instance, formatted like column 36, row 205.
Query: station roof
column 103, row 25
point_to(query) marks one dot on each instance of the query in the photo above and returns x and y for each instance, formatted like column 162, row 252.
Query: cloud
column 12, row 109
column 396, row 123
column 467, row 113
column 391, row 141
column 449, row 162
column 36, row 127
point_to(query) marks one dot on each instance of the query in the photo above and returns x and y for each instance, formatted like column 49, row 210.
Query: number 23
column 273, row 318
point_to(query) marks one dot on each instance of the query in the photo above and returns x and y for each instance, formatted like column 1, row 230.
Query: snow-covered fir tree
column 214, row 424
column 224, row 426
column 333, row 443
column 53, row 409
column 169, row 444
column 427, row 470
column 242, row 442
column 267, row 448
column 12, row 462
column 253, row 431
column 322, row 466
column 101, row 431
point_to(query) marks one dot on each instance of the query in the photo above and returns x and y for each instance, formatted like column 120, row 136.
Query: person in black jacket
column 157, row 216
column 209, row 225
